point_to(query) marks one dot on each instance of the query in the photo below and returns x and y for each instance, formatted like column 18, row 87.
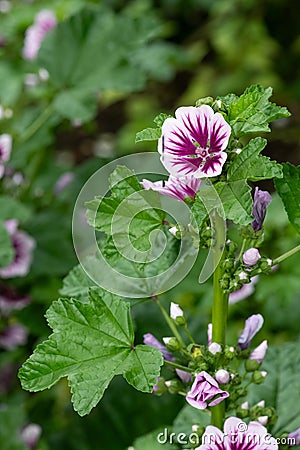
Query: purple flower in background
column 261, row 201
column 23, row 245
column 44, row 22
column 252, row 326
column 30, row 435
column 205, row 392
column 259, row 352
column 238, row 436
column 149, row 339
column 63, row 181
column 245, row 291
column 178, row 188
column 295, row 435
column 11, row 301
column 5, row 150
column 13, row 336
column 193, row 142
column 185, row 377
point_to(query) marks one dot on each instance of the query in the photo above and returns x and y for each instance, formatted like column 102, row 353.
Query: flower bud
column 252, row 326
column 251, row 257
column 296, row 436
column 259, row 352
column 263, row 420
column 214, row 348
column 175, row 311
column 245, row 405
column 261, row 404
column 242, row 412
column 222, row 376
column 258, row 377
column 251, row 365
column 171, row 343
column 185, row 377
column 173, row 386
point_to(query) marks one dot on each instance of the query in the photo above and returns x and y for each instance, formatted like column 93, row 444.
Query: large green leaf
column 252, row 112
column 281, row 386
column 76, row 284
column 6, row 248
column 91, row 343
column 97, row 50
column 250, row 165
column 288, row 188
column 130, row 214
column 236, row 201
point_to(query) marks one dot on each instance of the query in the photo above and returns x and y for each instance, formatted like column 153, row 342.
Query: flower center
column 200, row 151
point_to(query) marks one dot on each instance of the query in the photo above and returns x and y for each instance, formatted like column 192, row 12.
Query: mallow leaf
column 252, row 111
column 90, row 344
column 76, row 284
column 148, row 134
column 130, row 214
column 282, row 365
column 250, row 165
column 236, row 200
column 288, row 188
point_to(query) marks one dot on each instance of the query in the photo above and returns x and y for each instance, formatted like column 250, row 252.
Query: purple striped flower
column 5, row 150
column 252, row 326
column 205, row 392
column 44, row 22
column 23, row 246
column 151, row 340
column 238, row 436
column 261, row 201
column 193, row 142
column 178, row 188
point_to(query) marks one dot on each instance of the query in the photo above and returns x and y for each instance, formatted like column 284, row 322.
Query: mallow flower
column 205, row 392
column 193, row 143
column 30, row 435
column 259, row 352
column 245, row 291
column 238, row 436
column 178, row 188
column 261, row 201
column 23, row 245
column 44, row 21
column 252, row 326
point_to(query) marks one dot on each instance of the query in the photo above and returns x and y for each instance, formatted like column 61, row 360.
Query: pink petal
column 197, row 122
column 220, row 133
column 175, row 139
column 213, row 165
column 180, row 166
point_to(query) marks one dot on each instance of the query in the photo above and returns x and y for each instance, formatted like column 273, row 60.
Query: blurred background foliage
column 113, row 66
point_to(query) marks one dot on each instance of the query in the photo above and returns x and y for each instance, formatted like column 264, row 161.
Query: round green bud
column 258, row 377
column 251, row 365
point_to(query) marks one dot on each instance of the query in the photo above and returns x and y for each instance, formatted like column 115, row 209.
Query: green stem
column 178, row 366
column 170, row 322
column 286, row 255
column 219, row 310
column 242, row 249
column 37, row 123
column 187, row 332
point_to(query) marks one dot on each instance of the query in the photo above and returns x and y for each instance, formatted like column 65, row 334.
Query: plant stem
column 187, row 332
column 170, row 322
column 178, row 366
column 219, row 310
column 286, row 255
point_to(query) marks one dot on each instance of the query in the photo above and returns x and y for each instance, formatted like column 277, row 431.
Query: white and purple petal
column 219, row 134
column 178, row 188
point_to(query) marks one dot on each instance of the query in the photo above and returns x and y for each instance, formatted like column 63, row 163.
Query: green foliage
column 11, row 421
column 10, row 208
column 76, row 284
column 250, row 165
column 289, row 190
column 149, row 442
column 282, row 365
column 236, row 200
column 84, row 55
column 91, row 343
column 130, row 214
column 6, row 248
column 149, row 134
column 252, row 112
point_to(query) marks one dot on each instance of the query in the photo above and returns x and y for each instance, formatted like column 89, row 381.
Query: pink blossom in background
column 193, row 142
column 11, row 301
column 205, row 392
column 5, row 150
column 245, row 291
column 44, row 22
column 23, row 245
column 238, row 436
column 178, row 188
column 30, row 435
column 63, row 181
column 13, row 336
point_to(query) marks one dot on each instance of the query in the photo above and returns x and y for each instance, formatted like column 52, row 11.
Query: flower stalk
column 219, row 308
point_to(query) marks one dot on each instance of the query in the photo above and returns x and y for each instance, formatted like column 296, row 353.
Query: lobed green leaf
column 288, row 188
